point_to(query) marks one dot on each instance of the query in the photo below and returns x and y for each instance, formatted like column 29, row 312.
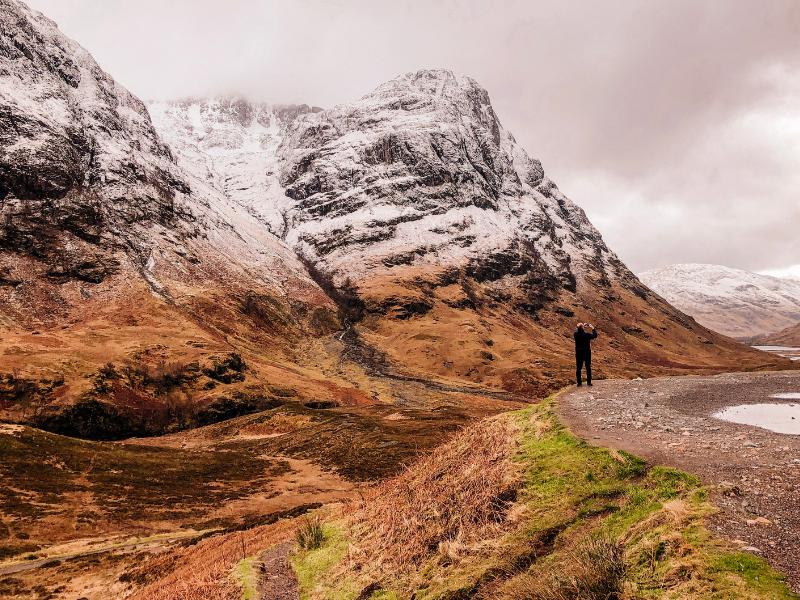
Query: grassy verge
column 584, row 523
column 247, row 578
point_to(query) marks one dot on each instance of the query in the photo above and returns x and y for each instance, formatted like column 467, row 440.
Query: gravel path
column 277, row 580
column 668, row 420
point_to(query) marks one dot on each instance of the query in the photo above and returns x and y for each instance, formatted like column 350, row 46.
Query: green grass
column 247, row 578
column 309, row 564
column 572, row 490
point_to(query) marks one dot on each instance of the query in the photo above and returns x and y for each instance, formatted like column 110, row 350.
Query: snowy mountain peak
column 433, row 82
column 732, row 301
column 231, row 143
column 420, row 171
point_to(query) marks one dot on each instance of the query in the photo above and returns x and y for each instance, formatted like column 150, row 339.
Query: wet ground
column 780, row 418
column 755, row 472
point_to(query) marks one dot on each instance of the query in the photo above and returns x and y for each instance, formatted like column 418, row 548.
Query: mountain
column 124, row 280
column 466, row 260
column 786, row 337
column 226, row 255
column 731, row 301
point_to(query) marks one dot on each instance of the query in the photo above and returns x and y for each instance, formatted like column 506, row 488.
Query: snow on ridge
column 428, row 142
column 230, row 143
column 732, row 301
column 419, row 170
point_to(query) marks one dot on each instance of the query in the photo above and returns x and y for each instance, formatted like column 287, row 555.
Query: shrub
column 310, row 534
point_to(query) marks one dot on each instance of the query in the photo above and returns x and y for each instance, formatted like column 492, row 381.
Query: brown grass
column 457, row 495
column 309, row 534
column 596, row 570
column 203, row 571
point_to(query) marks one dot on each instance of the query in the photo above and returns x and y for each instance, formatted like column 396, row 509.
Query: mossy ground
column 247, row 578
column 570, row 492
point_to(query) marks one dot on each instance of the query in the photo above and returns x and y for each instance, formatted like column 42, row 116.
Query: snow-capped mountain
column 80, row 163
column 89, row 190
column 234, row 226
column 231, row 144
column 420, row 173
column 737, row 303
column 114, row 252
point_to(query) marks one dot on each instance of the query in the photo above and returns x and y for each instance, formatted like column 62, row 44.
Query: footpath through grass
column 583, row 523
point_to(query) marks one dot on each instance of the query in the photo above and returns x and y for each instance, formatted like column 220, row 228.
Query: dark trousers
column 580, row 360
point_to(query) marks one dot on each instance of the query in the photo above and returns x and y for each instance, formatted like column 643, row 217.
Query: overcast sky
column 674, row 124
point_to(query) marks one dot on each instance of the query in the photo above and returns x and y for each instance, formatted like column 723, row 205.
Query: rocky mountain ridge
column 734, row 302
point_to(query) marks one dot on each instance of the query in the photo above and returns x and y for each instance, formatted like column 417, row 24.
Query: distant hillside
column 737, row 303
column 785, row 337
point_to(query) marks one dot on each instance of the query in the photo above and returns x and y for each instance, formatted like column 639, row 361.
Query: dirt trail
column 276, row 578
column 755, row 472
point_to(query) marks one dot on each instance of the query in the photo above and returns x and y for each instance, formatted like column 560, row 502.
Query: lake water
column 790, row 352
column 780, row 418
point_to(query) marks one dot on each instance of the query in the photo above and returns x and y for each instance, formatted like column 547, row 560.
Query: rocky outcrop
column 80, row 163
column 421, row 173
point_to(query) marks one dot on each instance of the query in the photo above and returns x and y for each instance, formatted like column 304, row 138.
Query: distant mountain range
column 737, row 303
column 789, row 337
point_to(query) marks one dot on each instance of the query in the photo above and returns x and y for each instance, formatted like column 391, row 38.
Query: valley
column 228, row 324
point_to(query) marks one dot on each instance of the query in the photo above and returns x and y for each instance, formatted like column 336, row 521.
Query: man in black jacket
column 583, row 350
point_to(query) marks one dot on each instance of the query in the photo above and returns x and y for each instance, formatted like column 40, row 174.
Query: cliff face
column 421, row 173
column 81, row 168
column 110, row 252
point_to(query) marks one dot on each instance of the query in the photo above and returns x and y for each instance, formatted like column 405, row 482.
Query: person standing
column 583, row 351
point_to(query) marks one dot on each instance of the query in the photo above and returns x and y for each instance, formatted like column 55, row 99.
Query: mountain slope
column 734, row 302
column 459, row 255
column 111, row 253
column 785, row 337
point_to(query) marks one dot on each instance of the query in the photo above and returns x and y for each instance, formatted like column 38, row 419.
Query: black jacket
column 583, row 340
